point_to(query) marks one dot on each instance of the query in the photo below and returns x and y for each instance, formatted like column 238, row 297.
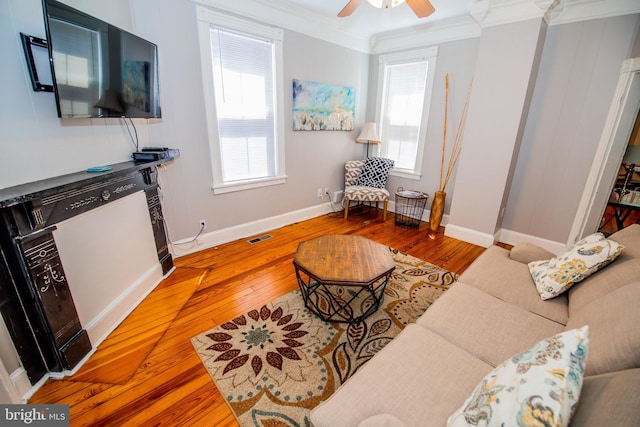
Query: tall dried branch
column 457, row 144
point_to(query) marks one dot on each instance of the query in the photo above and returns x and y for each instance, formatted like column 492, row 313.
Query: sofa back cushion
column 613, row 330
column 625, row 270
column 609, row 400
column 495, row 273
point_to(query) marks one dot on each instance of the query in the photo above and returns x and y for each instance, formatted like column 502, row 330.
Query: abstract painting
column 319, row 106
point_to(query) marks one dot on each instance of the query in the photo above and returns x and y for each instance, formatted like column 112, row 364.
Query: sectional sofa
column 443, row 368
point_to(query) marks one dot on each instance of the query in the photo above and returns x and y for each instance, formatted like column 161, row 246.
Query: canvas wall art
column 319, row 106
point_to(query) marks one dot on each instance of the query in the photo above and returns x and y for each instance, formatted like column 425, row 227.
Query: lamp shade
column 632, row 155
column 109, row 102
column 369, row 134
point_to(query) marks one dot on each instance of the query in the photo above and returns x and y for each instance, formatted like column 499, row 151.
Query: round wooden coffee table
column 342, row 277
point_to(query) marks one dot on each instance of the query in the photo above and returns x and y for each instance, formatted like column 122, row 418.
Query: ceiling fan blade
column 349, row 8
column 422, row 8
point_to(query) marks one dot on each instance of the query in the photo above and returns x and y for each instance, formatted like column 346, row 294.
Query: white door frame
column 610, row 151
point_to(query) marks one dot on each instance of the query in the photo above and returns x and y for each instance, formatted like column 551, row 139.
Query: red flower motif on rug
column 260, row 328
column 270, row 354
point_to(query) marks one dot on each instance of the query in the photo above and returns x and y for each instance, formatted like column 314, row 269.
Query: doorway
column 610, row 152
column 623, row 207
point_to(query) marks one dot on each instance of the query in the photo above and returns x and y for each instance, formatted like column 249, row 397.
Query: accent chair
column 365, row 180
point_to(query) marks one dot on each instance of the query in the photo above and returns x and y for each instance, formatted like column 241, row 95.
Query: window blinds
column 243, row 68
column 404, row 90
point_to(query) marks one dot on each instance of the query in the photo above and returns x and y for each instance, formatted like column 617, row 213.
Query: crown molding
column 489, row 13
column 569, row 11
column 293, row 19
column 460, row 28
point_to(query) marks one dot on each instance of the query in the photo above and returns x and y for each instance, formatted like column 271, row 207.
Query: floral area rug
column 276, row 363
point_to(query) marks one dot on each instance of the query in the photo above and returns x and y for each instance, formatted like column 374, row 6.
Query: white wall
column 108, row 265
column 505, row 71
column 579, row 70
column 36, row 144
column 313, row 159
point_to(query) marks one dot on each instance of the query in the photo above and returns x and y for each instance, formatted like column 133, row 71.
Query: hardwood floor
column 146, row 373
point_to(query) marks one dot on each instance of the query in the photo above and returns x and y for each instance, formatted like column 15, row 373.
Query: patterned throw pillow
column 374, row 172
column 540, row 386
column 587, row 256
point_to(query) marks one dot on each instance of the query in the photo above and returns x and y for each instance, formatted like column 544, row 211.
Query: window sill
column 248, row 185
column 405, row 174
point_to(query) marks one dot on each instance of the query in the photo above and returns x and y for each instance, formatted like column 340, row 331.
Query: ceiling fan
column 422, row 8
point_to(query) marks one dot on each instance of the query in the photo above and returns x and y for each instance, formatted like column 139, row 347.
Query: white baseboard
column 504, row 236
column 468, row 235
column 225, row 235
column 513, row 237
column 209, row 240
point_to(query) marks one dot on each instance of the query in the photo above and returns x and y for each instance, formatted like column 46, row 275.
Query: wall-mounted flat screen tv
column 98, row 69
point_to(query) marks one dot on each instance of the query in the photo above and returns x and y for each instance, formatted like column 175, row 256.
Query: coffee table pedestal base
column 341, row 302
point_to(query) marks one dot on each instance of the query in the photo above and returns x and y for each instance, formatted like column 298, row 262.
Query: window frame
column 208, row 18
column 429, row 55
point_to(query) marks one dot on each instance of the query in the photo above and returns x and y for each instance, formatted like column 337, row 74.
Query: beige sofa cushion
column 495, row 273
column 611, row 400
column 526, row 252
column 614, row 322
column 489, row 328
column 419, row 378
column 625, row 270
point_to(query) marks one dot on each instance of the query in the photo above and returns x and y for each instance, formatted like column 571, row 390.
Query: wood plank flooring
column 146, row 373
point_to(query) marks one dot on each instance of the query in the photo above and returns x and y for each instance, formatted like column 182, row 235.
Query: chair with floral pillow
column 364, row 181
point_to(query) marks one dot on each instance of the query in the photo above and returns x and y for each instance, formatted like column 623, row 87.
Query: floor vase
column 437, row 210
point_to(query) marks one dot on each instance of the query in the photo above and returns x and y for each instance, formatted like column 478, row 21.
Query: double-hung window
column 242, row 68
column 404, row 96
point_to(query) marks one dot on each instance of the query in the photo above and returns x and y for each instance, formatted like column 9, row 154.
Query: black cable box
column 151, row 154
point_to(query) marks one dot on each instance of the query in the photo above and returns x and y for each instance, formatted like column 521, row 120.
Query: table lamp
column 369, row 135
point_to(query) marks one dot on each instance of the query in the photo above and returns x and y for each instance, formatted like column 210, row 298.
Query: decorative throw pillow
column 540, row 386
column 554, row 276
column 375, row 172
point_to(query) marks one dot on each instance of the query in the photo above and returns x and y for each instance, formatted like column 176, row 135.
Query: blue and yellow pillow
column 540, row 386
column 555, row 276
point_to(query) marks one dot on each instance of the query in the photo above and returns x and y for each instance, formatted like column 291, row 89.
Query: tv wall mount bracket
column 27, row 44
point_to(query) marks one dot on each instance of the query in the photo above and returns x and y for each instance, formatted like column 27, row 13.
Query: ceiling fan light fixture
column 385, row 3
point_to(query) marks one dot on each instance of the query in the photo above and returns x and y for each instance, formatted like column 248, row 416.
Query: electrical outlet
column 203, row 224
column 326, row 190
column 319, row 192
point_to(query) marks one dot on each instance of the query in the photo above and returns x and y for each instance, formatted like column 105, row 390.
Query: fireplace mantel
column 35, row 300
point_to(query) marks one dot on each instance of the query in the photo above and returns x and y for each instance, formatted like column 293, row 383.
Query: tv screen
column 98, row 69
